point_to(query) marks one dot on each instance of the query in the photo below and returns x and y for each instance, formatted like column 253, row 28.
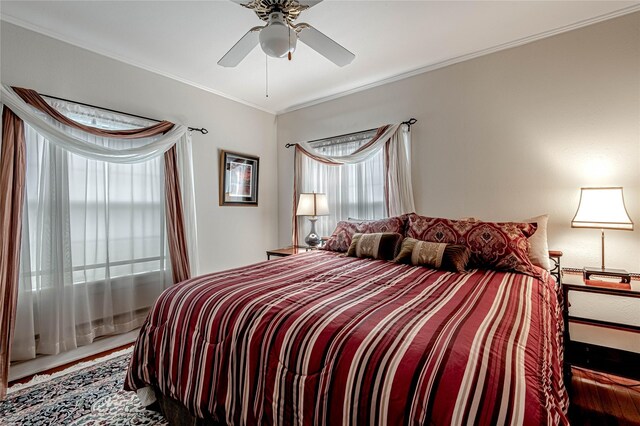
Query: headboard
column 555, row 256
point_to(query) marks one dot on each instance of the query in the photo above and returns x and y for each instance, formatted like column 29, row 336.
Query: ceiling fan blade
column 325, row 46
column 307, row 3
column 241, row 49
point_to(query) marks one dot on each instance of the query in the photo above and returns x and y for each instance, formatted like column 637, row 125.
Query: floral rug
column 90, row 396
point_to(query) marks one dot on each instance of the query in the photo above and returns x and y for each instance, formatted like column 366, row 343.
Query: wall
column 503, row 136
column 228, row 236
column 510, row 135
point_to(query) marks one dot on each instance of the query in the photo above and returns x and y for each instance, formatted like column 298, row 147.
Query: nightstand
column 602, row 325
column 286, row 251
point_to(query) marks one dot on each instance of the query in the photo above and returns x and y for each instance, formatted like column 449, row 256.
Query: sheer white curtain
column 184, row 158
column 73, row 140
column 365, row 176
column 399, row 184
column 353, row 190
column 94, row 254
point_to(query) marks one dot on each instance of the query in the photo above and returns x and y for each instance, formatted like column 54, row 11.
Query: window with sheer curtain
column 353, row 190
column 94, row 251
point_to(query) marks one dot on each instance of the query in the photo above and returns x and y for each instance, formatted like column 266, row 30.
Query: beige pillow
column 539, row 251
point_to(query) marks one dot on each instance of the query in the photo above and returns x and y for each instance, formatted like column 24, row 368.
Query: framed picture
column 238, row 179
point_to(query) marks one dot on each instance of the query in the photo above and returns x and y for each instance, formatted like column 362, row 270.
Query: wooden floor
column 602, row 400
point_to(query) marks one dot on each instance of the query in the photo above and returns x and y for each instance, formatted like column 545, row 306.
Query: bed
column 321, row 338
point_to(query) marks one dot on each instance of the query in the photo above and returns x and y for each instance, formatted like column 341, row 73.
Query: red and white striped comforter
column 323, row 339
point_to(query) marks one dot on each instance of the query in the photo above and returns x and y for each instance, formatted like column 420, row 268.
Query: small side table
column 286, row 251
column 600, row 357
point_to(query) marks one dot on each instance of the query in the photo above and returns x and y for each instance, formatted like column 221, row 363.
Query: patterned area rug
column 89, row 396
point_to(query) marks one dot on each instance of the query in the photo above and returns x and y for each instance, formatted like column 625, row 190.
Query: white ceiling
column 391, row 39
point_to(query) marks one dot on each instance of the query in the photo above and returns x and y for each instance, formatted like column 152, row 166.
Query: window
column 353, row 190
column 94, row 251
column 116, row 211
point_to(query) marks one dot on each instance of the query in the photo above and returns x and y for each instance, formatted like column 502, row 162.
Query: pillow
column 501, row 246
column 539, row 251
column 450, row 257
column 380, row 245
column 354, row 219
column 340, row 240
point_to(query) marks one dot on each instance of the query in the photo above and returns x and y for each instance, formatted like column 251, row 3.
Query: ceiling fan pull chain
column 266, row 76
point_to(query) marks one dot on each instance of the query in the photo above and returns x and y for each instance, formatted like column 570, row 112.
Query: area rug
column 92, row 395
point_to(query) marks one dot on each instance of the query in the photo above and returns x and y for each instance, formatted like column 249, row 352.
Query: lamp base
column 312, row 239
column 622, row 274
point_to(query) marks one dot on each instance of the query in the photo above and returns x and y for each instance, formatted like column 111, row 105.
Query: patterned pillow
column 450, row 257
column 380, row 245
column 539, row 250
column 340, row 240
column 494, row 245
column 355, row 219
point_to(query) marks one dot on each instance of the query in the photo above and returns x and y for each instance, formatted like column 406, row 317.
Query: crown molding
column 111, row 55
column 462, row 58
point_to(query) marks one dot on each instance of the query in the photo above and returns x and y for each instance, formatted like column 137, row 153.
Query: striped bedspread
column 323, row 339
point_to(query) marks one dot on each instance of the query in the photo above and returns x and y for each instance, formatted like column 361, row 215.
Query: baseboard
column 42, row 363
column 601, row 358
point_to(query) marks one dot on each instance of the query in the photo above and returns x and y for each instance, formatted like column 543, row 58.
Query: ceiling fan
column 279, row 36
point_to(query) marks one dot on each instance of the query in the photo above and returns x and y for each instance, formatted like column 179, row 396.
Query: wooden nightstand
column 605, row 323
column 286, row 251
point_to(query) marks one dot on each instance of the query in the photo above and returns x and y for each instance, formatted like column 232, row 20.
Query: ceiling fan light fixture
column 277, row 39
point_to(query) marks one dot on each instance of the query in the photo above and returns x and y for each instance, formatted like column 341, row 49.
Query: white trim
column 397, row 77
column 41, row 378
column 47, row 362
column 467, row 57
column 103, row 52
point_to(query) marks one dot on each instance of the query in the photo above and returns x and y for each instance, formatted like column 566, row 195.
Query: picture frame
column 238, row 180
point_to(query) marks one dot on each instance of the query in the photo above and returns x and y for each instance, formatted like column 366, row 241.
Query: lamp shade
column 277, row 39
column 312, row 204
column 602, row 208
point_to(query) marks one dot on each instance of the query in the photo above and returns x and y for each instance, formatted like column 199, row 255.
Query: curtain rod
column 410, row 122
column 195, row 129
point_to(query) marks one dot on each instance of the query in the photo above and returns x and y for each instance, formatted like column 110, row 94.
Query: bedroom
column 508, row 128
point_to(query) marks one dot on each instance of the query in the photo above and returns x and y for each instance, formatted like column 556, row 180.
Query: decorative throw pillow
column 539, row 251
column 494, row 245
column 450, row 257
column 340, row 240
column 380, row 245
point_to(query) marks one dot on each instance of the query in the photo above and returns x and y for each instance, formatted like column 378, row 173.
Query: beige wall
column 228, row 236
column 510, row 135
column 504, row 136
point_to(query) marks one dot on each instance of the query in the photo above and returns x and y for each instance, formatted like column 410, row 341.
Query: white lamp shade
column 276, row 39
column 602, row 208
column 312, row 204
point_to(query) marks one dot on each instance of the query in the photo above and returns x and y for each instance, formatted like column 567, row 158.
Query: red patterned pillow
column 500, row 246
column 340, row 240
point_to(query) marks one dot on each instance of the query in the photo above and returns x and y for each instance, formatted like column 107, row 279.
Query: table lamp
column 313, row 205
column 602, row 208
